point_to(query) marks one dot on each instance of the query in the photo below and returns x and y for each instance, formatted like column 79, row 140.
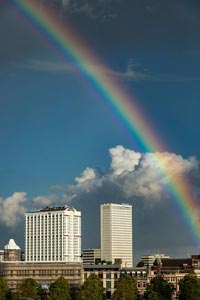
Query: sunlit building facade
column 53, row 234
column 116, row 233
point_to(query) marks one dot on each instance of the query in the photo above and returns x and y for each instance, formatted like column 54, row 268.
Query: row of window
column 42, row 273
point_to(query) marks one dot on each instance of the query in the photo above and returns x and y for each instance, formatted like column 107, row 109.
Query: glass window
column 108, row 275
column 108, row 284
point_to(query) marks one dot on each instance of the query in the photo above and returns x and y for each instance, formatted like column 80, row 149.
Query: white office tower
column 53, row 234
column 116, row 233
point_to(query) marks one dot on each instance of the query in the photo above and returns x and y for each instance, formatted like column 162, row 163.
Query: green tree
column 159, row 289
column 152, row 295
column 59, row 290
column 92, row 289
column 189, row 288
column 27, row 288
column 43, row 291
column 140, row 264
column 126, row 288
column 5, row 292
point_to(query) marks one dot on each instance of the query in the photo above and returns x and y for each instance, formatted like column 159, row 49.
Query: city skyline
column 56, row 131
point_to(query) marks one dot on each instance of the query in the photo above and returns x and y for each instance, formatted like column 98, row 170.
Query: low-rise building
column 109, row 274
column 173, row 270
column 90, row 256
column 1, row 255
column 140, row 275
column 149, row 259
column 43, row 273
column 12, row 252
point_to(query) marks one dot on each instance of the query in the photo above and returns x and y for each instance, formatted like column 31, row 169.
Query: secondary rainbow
column 69, row 43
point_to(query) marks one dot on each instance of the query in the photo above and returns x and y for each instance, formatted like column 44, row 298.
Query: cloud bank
column 131, row 176
column 134, row 175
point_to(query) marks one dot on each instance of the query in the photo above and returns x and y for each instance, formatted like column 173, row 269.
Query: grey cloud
column 12, row 209
column 88, row 174
column 42, row 201
column 132, row 177
column 133, row 72
column 97, row 9
column 45, row 66
column 136, row 178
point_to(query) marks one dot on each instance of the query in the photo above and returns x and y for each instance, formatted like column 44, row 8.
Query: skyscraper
column 116, row 233
column 53, row 234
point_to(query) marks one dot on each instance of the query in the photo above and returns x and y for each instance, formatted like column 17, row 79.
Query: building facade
column 53, row 234
column 43, row 273
column 91, row 256
column 149, row 259
column 109, row 275
column 12, row 252
column 1, row 255
column 116, row 233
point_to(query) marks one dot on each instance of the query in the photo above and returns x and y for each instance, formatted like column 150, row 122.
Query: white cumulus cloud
column 12, row 209
column 134, row 175
column 131, row 176
column 88, row 174
column 123, row 160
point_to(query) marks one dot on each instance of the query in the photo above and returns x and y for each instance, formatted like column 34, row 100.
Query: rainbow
column 70, row 45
